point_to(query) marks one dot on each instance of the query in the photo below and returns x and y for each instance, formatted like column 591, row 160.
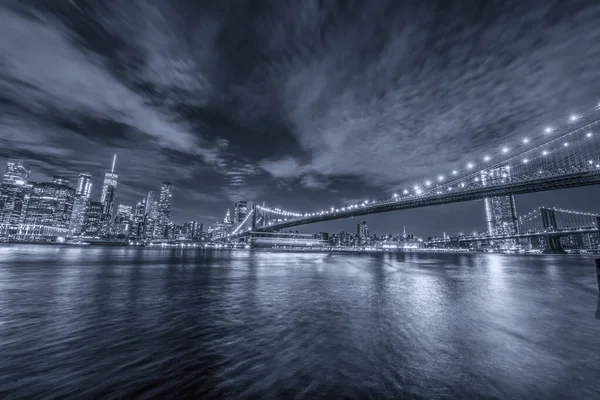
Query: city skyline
column 280, row 122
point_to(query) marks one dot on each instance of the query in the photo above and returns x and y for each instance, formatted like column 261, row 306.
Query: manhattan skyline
column 291, row 104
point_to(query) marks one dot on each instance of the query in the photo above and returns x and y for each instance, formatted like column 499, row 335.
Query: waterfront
column 125, row 322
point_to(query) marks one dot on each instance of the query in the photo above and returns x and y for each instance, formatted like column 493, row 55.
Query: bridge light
column 470, row 165
column 544, row 153
column 589, row 134
column 486, row 158
column 476, row 179
column 454, row 172
column 525, row 140
column 548, row 130
column 462, row 184
column 427, row 183
column 525, row 160
column 566, row 144
column 441, row 178
column 597, row 165
column 395, row 194
column 573, row 118
column 590, row 162
column 505, row 150
column 405, row 191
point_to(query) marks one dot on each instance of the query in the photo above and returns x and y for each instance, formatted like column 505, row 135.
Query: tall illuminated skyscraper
column 109, row 188
column 14, row 192
column 362, row 231
column 500, row 212
column 51, row 203
column 84, row 185
column 150, row 217
column 240, row 211
column 164, row 209
column 82, row 203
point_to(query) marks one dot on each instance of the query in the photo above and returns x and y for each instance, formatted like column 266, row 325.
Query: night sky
column 300, row 104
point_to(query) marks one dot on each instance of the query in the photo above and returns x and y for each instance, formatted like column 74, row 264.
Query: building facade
column 362, row 231
column 93, row 219
column 51, row 204
column 240, row 211
column 109, row 190
column 14, row 192
column 123, row 219
column 81, row 203
column 164, row 209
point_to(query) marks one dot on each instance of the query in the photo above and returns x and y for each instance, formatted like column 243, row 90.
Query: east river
column 113, row 322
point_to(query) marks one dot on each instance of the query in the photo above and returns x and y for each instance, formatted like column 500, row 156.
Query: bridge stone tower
column 549, row 223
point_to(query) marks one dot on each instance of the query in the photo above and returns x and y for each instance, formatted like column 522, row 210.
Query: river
column 118, row 322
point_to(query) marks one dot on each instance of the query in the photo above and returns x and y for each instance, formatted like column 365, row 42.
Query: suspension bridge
column 560, row 156
column 549, row 222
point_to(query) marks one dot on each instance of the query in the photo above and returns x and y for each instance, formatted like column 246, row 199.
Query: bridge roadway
column 556, row 232
column 586, row 176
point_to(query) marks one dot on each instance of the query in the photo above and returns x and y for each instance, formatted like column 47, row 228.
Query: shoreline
column 196, row 246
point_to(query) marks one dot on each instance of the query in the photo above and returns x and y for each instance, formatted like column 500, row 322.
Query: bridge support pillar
column 598, row 274
column 254, row 211
column 549, row 223
column 554, row 245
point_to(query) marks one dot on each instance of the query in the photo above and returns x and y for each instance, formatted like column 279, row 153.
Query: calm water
column 132, row 323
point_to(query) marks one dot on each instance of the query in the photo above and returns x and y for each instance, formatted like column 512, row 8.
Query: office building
column 122, row 222
column 93, row 219
column 164, row 209
column 240, row 211
column 51, row 204
column 193, row 230
column 109, row 189
column 137, row 223
column 81, row 203
column 14, row 192
column 362, row 231
column 84, row 185
column 500, row 212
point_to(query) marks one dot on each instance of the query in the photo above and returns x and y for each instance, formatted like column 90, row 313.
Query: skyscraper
column 164, row 208
column 137, row 225
column 81, row 203
column 84, row 185
column 150, row 217
column 109, row 188
column 362, row 231
column 51, row 204
column 240, row 211
column 14, row 192
column 123, row 218
column 193, row 230
column 500, row 212
column 93, row 219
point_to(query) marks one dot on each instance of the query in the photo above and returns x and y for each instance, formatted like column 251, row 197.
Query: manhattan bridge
column 561, row 156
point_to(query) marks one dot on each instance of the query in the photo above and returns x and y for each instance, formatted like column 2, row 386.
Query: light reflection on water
column 124, row 322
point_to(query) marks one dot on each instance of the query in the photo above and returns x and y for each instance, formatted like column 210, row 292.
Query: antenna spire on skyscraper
column 112, row 170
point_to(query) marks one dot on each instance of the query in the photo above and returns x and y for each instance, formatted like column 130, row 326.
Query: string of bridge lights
column 470, row 167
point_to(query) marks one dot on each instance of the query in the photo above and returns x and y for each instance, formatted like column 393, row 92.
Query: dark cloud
column 297, row 104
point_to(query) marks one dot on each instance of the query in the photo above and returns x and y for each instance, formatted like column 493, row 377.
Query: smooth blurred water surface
column 102, row 322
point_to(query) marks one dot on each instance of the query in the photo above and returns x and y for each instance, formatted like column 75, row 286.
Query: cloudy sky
column 300, row 104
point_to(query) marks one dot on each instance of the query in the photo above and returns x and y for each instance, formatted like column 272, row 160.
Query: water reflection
column 126, row 322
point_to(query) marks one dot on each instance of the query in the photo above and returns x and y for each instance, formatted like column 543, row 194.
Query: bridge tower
column 254, row 211
column 548, row 216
